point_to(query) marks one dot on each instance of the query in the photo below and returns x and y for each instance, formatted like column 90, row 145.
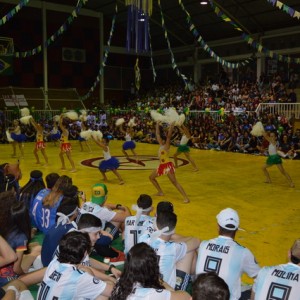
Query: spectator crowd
column 220, row 117
column 94, row 249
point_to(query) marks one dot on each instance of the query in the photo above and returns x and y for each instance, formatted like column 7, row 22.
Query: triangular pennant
column 279, row 4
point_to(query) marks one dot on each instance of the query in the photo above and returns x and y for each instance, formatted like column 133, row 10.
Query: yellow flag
column 137, row 75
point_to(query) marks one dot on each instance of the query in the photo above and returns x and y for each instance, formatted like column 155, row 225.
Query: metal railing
column 36, row 97
column 286, row 109
column 38, row 115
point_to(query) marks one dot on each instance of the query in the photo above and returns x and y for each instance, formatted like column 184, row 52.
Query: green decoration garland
column 151, row 56
column 105, row 56
column 13, row 12
column 174, row 65
column 205, row 46
column 62, row 29
column 254, row 44
column 287, row 9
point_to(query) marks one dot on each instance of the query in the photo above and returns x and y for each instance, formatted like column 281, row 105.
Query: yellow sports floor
column 269, row 213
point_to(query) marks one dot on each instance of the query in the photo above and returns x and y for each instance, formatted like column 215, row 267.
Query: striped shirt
column 133, row 231
column 64, row 282
column 278, row 282
column 140, row 293
column 169, row 254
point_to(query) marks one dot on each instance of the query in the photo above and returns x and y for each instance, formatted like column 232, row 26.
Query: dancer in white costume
column 109, row 163
column 274, row 159
column 184, row 148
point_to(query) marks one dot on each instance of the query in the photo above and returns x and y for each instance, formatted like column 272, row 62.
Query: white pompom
column 86, row 134
column 8, row 136
column 258, row 129
column 83, row 116
column 131, row 122
column 83, row 112
column 25, row 112
column 56, row 118
column 72, row 115
column 180, row 120
column 156, row 116
column 171, row 115
column 98, row 135
column 120, row 121
column 25, row 120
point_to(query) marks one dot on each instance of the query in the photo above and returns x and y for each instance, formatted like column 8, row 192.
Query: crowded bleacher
column 219, row 115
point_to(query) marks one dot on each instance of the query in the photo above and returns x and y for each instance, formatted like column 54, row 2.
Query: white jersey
column 65, row 282
column 127, row 137
column 229, row 260
column 278, row 282
column 85, row 262
column 140, row 293
column 54, row 130
column 106, row 154
column 103, row 213
column 272, row 149
column 169, row 254
column 133, row 231
column 184, row 140
column 151, row 226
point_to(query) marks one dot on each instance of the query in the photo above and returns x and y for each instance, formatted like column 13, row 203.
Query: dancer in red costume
column 40, row 144
column 65, row 146
column 166, row 167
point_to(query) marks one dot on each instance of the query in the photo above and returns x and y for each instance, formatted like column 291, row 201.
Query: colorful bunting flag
column 151, row 57
column 105, row 56
column 256, row 45
column 204, row 45
column 174, row 65
column 285, row 8
column 62, row 29
column 13, row 12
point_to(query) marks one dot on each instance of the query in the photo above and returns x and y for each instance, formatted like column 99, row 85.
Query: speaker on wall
column 73, row 55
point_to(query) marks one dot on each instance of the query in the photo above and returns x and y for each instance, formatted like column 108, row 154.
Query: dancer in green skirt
column 184, row 148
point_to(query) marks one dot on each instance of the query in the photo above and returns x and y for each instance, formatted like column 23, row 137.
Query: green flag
column 6, row 65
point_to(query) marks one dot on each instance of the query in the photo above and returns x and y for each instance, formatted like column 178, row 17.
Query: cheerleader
column 18, row 138
column 83, row 140
column 109, row 163
column 274, row 159
column 166, row 167
column 55, row 133
column 184, row 148
column 128, row 144
column 65, row 146
column 39, row 144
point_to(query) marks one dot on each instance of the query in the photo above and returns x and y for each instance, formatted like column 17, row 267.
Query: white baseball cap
column 229, row 219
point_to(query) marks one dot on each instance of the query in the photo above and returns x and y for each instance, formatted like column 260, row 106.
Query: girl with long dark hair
column 31, row 188
column 141, row 278
column 15, row 227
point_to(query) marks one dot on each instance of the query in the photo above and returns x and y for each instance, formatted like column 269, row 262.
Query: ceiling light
column 203, row 2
